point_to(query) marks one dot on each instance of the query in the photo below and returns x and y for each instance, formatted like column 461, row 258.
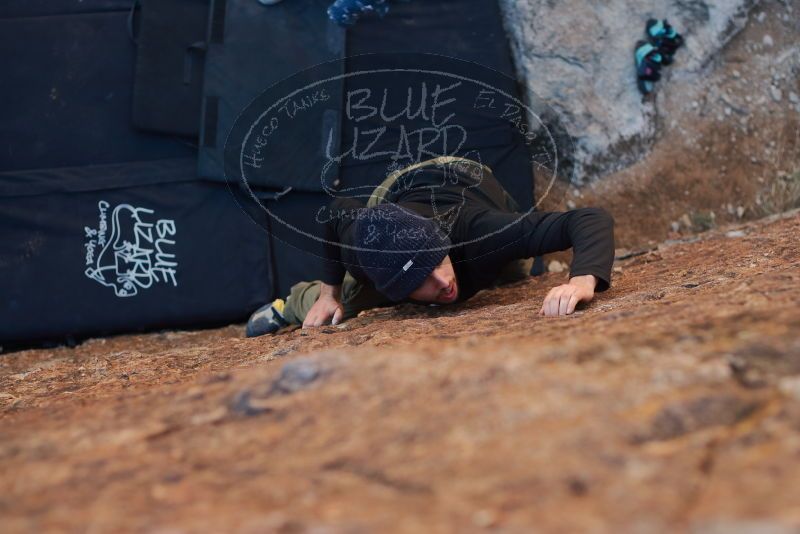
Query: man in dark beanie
column 397, row 249
column 438, row 232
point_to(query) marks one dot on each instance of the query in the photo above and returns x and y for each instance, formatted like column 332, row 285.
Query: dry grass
column 779, row 195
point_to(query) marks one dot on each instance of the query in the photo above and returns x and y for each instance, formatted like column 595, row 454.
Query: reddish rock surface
column 671, row 403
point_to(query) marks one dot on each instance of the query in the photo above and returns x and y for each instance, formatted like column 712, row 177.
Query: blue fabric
column 657, row 29
column 644, row 50
column 347, row 12
column 662, row 29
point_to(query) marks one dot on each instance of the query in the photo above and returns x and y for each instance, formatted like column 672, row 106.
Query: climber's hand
column 327, row 308
column 561, row 300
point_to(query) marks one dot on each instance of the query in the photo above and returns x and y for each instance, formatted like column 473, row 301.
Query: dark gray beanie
column 397, row 248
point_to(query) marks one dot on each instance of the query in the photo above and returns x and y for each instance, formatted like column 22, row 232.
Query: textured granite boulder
column 577, row 56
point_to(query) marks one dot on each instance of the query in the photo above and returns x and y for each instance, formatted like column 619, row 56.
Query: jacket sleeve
column 588, row 231
column 339, row 218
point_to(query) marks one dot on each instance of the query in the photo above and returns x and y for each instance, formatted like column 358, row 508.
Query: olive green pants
column 357, row 296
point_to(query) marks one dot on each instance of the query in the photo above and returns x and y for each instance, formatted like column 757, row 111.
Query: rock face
column 577, row 56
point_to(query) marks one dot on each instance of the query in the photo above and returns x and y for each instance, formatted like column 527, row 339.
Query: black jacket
column 485, row 232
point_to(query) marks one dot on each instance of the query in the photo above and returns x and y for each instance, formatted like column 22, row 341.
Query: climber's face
column 440, row 286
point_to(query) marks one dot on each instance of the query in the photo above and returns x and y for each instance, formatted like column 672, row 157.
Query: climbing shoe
column 648, row 62
column 268, row 319
column 664, row 38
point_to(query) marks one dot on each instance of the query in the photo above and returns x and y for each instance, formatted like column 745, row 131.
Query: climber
column 437, row 232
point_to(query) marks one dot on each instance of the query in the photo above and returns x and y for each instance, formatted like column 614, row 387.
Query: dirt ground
column 671, row 403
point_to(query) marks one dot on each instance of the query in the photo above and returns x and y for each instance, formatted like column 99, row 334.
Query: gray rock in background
column 577, row 57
